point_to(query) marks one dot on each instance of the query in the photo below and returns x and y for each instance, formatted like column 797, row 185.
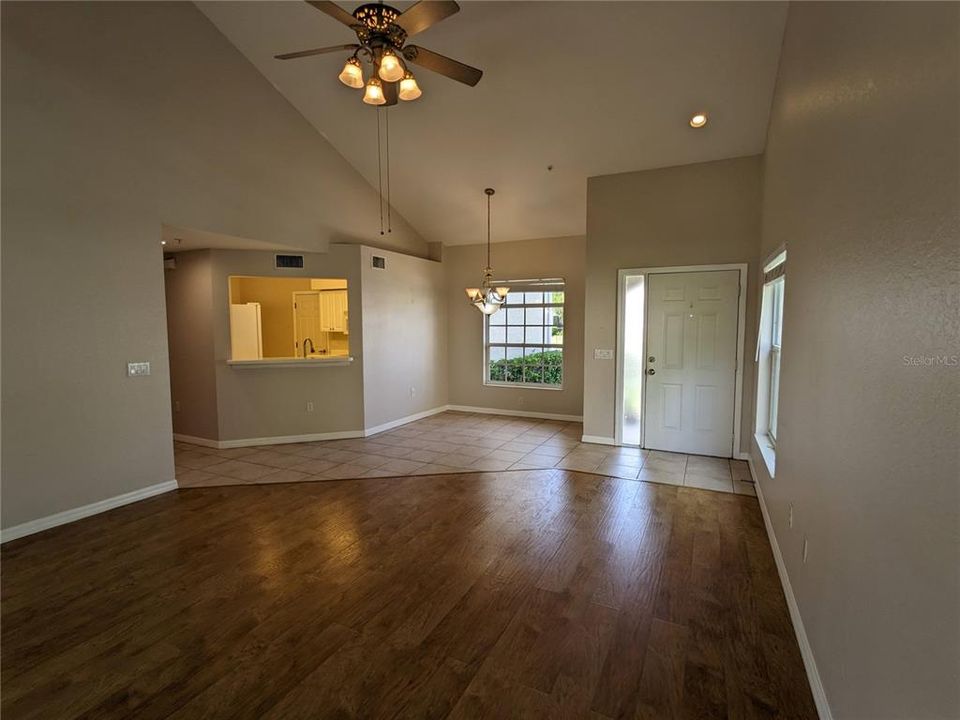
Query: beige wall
column 861, row 183
column 270, row 402
column 397, row 339
column 550, row 257
column 193, row 383
column 118, row 117
column 702, row 214
column 404, row 337
column 275, row 296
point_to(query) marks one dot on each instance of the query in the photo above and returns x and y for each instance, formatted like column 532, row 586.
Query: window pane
column 497, row 318
column 497, row 353
column 553, row 366
column 514, row 373
column 514, row 352
column 498, row 371
column 533, row 374
column 515, row 316
column 555, row 297
column 777, row 312
column 515, row 335
column 497, row 334
column 534, row 316
column 534, row 297
column 533, row 355
column 534, row 335
column 774, row 392
column 515, row 298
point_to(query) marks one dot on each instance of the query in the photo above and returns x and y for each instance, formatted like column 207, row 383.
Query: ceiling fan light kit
column 382, row 33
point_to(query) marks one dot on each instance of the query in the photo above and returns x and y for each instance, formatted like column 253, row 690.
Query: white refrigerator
column 246, row 340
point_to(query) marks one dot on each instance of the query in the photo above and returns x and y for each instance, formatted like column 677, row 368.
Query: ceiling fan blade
column 390, row 93
column 442, row 64
column 334, row 11
column 421, row 15
column 315, row 51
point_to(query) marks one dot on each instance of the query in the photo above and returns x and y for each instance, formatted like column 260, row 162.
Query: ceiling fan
column 382, row 32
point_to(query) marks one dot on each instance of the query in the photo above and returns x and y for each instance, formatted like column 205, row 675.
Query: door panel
column 692, row 351
column 306, row 317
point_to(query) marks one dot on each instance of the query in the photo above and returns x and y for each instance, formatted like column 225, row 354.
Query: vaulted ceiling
column 589, row 88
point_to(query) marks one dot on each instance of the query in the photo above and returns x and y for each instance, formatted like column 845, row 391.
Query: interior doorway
column 680, row 358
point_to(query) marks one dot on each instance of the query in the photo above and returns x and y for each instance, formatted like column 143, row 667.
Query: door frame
column 622, row 275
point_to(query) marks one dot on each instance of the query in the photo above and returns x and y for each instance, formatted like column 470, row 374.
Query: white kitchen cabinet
column 333, row 311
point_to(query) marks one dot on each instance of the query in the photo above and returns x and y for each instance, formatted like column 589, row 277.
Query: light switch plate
column 138, row 368
column 599, row 354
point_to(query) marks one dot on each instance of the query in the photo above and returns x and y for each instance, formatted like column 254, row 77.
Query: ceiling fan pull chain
column 386, row 117
column 379, row 172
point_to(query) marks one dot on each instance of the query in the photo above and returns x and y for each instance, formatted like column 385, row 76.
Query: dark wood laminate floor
column 545, row 593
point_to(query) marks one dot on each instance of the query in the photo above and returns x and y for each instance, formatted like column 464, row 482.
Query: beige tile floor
column 454, row 442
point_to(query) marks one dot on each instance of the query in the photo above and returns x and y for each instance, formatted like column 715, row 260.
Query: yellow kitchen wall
column 275, row 296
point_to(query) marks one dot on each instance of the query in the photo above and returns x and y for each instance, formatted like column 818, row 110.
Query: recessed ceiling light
column 698, row 120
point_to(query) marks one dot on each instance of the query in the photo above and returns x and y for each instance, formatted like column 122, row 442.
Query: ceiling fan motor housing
column 376, row 25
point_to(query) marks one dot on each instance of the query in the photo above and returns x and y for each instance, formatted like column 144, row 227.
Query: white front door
column 691, row 361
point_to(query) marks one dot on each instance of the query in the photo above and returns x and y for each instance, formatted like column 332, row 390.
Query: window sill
column 292, row 362
column 767, row 452
column 524, row 386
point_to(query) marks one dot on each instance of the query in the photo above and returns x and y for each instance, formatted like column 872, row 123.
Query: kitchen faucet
column 305, row 341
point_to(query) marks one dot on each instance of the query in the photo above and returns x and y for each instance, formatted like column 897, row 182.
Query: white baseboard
column 287, row 439
column 194, row 440
column 514, row 413
column 598, row 440
column 806, row 652
column 68, row 516
column 272, row 440
column 403, row 421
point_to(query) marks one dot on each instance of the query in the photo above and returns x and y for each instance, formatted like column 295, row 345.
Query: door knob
column 651, row 371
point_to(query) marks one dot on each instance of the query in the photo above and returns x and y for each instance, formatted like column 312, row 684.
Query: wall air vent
column 289, row 261
column 379, row 262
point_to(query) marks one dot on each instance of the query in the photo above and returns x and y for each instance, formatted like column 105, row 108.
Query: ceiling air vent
column 379, row 262
column 289, row 261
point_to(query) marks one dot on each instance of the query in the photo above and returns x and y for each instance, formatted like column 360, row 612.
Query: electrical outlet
column 520, row 399
column 790, row 516
column 602, row 354
column 309, row 406
column 138, row 368
column 804, row 550
column 413, row 391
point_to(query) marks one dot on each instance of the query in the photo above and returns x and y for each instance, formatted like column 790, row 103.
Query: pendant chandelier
column 487, row 298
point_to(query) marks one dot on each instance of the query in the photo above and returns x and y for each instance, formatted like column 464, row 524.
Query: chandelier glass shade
column 391, row 69
column 488, row 298
column 352, row 73
column 409, row 90
column 374, row 92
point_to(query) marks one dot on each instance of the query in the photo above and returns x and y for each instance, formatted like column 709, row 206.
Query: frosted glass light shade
column 391, row 69
column 409, row 90
column 352, row 74
column 374, row 93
